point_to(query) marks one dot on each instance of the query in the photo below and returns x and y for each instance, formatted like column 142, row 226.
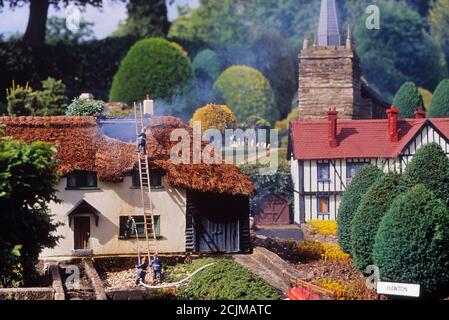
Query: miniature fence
column 306, row 291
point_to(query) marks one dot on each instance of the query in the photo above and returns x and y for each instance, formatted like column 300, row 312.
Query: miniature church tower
column 329, row 72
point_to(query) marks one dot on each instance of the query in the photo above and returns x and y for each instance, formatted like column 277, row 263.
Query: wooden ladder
column 145, row 186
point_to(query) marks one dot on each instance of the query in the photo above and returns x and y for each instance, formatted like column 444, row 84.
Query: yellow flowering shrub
column 324, row 227
column 340, row 290
column 316, row 250
column 213, row 116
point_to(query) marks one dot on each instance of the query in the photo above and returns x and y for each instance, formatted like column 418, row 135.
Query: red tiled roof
column 356, row 138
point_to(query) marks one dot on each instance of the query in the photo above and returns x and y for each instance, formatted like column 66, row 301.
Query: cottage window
column 81, row 179
column 352, row 168
column 323, row 205
column 155, row 179
column 127, row 230
column 323, row 172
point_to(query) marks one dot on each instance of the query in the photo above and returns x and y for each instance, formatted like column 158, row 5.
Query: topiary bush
column 375, row 203
column 412, row 242
column 408, row 100
column 350, row 201
column 52, row 95
column 439, row 105
column 207, row 62
column 430, row 166
column 226, row 280
column 213, row 116
column 247, row 92
column 83, row 107
column 152, row 66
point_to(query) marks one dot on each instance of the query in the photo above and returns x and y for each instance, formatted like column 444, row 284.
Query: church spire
column 328, row 30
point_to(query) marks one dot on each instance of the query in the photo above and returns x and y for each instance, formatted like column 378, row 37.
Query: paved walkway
column 282, row 232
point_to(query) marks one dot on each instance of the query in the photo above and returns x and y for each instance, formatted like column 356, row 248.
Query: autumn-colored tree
column 213, row 116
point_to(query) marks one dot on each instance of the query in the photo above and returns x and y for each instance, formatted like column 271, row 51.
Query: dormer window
column 82, row 180
column 155, row 178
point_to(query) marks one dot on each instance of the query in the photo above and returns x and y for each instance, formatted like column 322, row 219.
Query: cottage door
column 218, row 235
column 81, row 232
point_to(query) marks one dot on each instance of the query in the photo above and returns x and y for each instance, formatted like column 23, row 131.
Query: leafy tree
column 28, row 177
column 408, row 100
column 233, row 283
column 430, row 167
column 52, row 95
column 22, row 100
column 361, row 182
column 273, row 57
column 219, row 23
column 145, row 19
column 84, row 107
column 375, row 203
column 214, row 116
column 412, row 243
column 400, row 50
column 57, row 31
column 37, row 20
column 439, row 105
column 439, row 20
column 154, row 67
column 255, row 122
column 207, row 63
column 247, row 92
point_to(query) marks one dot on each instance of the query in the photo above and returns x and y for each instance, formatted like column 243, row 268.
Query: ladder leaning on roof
column 145, row 187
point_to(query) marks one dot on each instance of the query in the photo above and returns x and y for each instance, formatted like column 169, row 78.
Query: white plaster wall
column 114, row 200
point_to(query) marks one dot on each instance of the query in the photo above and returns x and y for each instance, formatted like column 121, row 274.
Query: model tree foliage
column 214, row 116
column 430, row 167
column 350, row 201
column 439, row 105
column 28, row 177
column 146, row 18
column 439, row 20
column 375, row 203
column 247, row 92
column 152, row 66
column 412, row 243
column 57, row 31
column 408, row 100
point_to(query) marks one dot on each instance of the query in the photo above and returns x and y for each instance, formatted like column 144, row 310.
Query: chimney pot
column 332, row 127
column 420, row 114
column 392, row 113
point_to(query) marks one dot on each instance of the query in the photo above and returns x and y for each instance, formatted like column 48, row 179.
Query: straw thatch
column 82, row 146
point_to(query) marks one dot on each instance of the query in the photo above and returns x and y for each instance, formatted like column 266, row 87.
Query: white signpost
column 398, row 289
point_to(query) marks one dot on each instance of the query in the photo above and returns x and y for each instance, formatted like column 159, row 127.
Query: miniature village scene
column 224, row 150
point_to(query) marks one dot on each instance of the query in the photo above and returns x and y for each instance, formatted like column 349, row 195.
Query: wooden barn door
column 81, row 232
column 218, row 235
column 274, row 210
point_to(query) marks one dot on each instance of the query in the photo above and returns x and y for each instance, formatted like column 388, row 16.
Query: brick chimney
column 420, row 114
column 392, row 113
column 332, row 127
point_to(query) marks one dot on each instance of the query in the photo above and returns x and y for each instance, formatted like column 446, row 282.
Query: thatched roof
column 82, row 146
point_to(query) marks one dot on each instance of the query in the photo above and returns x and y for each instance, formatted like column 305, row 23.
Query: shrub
column 340, row 290
column 247, row 92
column 151, row 66
column 83, row 107
column 430, row 166
column 323, row 227
column 226, row 280
column 439, row 105
column 317, row 250
column 350, row 201
column 207, row 62
column 52, row 95
column 372, row 208
column 214, row 116
column 408, row 100
column 22, row 100
column 255, row 122
column 426, row 96
column 412, row 243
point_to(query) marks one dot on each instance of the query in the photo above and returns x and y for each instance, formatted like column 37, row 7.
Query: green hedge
column 430, row 166
column 152, row 66
column 412, row 243
column 439, row 105
column 226, row 280
column 350, row 201
column 247, row 92
column 408, row 100
column 372, row 208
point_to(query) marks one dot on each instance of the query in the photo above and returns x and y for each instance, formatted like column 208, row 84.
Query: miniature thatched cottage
column 199, row 208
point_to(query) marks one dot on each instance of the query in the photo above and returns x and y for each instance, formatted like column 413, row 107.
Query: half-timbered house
column 325, row 155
